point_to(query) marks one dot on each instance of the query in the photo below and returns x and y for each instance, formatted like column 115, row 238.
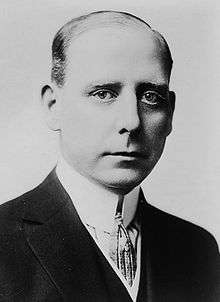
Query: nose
column 129, row 118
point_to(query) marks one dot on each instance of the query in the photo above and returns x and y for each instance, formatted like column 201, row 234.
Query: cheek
column 157, row 124
column 82, row 125
column 156, row 128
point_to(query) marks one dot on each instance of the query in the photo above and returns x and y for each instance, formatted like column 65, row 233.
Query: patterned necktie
column 121, row 249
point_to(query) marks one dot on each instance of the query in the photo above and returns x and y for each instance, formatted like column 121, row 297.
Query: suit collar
column 45, row 201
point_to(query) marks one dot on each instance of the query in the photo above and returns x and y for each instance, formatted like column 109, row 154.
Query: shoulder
column 37, row 205
column 187, row 248
column 182, row 249
column 12, row 211
column 182, row 230
column 16, row 260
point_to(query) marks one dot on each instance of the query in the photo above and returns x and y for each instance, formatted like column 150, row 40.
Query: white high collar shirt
column 96, row 208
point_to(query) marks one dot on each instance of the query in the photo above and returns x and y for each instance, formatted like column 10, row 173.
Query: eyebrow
column 162, row 88
column 107, row 85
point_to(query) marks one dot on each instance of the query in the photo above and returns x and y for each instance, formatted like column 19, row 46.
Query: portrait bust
column 87, row 232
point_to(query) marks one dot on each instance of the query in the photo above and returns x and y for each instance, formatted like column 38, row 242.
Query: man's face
column 115, row 107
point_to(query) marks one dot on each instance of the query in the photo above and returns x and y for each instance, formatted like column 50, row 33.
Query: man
column 87, row 233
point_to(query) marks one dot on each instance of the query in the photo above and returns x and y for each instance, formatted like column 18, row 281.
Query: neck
column 95, row 202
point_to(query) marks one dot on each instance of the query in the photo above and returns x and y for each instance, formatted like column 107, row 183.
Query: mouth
column 133, row 154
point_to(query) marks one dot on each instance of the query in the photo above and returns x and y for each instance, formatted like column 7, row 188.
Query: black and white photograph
column 109, row 158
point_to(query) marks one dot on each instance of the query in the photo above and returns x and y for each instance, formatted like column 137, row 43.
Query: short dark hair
column 78, row 25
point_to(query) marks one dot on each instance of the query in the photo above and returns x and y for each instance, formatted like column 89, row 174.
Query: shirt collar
column 95, row 205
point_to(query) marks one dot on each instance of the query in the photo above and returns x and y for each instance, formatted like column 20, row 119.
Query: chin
column 121, row 180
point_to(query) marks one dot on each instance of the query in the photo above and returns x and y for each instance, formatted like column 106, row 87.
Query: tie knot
column 118, row 219
column 118, row 213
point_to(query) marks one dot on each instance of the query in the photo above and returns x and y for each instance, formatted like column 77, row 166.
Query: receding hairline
column 95, row 20
column 99, row 19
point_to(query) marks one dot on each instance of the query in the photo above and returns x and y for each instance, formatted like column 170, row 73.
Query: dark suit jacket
column 46, row 254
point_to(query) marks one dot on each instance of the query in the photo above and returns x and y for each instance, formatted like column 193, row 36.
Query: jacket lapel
column 156, row 265
column 145, row 285
column 65, row 249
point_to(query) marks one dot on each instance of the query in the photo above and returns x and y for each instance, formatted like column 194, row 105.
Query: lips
column 133, row 154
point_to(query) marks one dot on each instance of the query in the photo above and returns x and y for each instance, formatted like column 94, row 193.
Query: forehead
column 116, row 51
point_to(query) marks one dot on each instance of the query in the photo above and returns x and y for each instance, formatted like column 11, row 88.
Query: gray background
column 186, row 180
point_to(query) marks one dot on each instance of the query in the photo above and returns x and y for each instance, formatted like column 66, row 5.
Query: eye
column 104, row 95
column 152, row 98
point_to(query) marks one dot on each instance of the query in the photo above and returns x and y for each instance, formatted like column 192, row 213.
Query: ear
column 172, row 101
column 50, row 106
